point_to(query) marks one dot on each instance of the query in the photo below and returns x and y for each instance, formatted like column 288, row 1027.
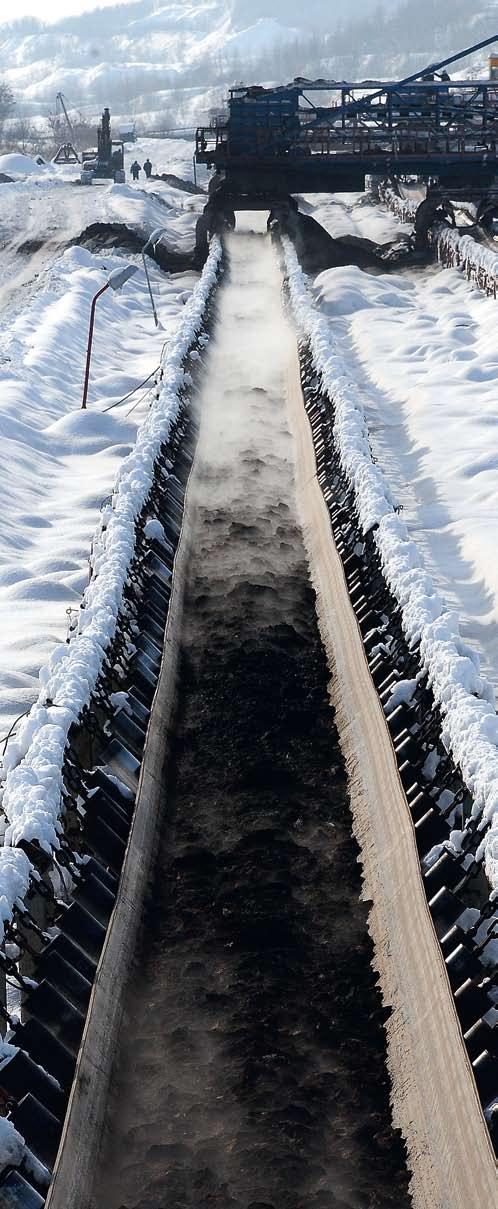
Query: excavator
column 107, row 160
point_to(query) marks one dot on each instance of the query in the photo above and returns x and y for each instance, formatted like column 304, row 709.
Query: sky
column 50, row 10
column 53, row 10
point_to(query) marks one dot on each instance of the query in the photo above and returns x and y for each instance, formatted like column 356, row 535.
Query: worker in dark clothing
column 135, row 169
column 147, row 168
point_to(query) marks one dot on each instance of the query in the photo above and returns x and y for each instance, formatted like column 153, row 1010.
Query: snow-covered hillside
column 165, row 64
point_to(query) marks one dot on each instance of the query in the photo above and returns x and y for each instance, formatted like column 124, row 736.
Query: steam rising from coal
column 244, row 438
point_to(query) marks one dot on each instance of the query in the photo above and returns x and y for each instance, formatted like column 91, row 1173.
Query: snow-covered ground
column 32, row 767
column 58, row 462
column 354, row 214
column 173, row 155
column 40, row 213
column 167, row 155
column 422, row 348
column 452, row 666
column 32, row 771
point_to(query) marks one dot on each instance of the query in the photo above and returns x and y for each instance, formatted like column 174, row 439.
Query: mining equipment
column 327, row 136
column 66, row 153
column 107, row 160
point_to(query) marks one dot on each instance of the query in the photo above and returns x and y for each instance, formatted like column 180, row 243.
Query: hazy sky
column 49, row 10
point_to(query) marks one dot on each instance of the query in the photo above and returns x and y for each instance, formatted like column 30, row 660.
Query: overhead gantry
column 319, row 136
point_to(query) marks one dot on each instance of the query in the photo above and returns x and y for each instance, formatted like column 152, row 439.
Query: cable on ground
column 132, row 392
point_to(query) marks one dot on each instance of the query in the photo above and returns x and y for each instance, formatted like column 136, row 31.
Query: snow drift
column 465, row 698
column 33, row 764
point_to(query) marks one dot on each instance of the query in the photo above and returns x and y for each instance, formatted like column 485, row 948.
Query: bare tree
column 53, row 121
column 84, row 132
column 24, row 134
column 6, row 103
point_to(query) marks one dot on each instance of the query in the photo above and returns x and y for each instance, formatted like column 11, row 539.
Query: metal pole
column 90, row 342
column 146, row 271
column 195, row 170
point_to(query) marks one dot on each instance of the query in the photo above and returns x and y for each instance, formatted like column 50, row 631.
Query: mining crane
column 67, row 153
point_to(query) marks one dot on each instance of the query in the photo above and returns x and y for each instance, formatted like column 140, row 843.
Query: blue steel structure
column 327, row 136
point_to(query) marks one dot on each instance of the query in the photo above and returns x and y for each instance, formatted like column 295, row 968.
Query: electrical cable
column 135, row 388
column 11, row 731
column 132, row 392
column 140, row 400
column 11, row 734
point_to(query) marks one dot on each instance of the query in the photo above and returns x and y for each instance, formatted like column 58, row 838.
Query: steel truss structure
column 327, row 135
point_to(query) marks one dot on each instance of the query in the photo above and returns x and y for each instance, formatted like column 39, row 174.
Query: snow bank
column 470, row 728
column 422, row 350
column 354, row 214
column 15, row 164
column 15, row 873
column 402, row 207
column 58, row 462
column 33, row 763
column 477, row 261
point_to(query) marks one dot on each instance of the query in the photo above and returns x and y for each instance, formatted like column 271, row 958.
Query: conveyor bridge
column 327, row 136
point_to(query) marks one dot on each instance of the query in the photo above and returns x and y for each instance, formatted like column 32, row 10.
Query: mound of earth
column 118, row 235
column 177, row 182
column 317, row 250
